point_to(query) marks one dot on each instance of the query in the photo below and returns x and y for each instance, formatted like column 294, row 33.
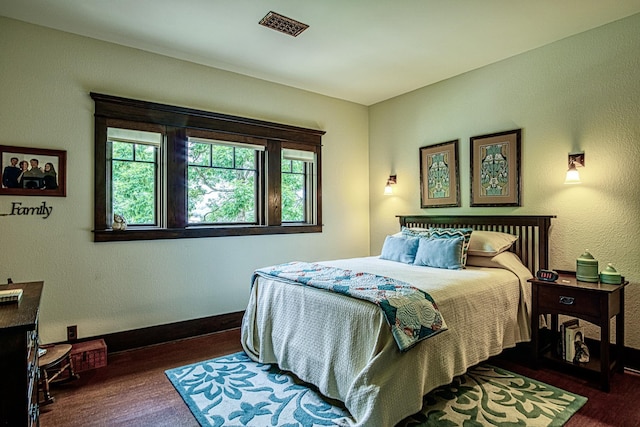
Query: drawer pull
column 567, row 300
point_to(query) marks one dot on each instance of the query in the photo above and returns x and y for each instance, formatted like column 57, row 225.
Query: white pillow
column 490, row 243
column 482, row 261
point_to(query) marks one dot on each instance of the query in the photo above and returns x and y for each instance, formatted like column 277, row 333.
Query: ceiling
column 364, row 51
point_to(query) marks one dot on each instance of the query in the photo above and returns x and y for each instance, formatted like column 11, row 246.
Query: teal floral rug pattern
column 235, row 391
column 490, row 396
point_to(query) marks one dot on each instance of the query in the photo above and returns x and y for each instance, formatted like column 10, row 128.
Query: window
column 173, row 172
column 223, row 182
column 134, row 174
column 298, row 182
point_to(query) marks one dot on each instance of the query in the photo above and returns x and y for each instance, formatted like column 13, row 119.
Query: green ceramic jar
column 587, row 268
column 610, row 275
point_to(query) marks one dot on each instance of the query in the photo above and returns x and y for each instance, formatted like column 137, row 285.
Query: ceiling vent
column 277, row 22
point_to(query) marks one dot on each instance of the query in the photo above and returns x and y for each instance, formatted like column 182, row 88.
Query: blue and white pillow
column 415, row 232
column 440, row 253
column 452, row 233
column 400, row 249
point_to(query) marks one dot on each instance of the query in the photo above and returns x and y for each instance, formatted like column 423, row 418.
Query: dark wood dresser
column 19, row 357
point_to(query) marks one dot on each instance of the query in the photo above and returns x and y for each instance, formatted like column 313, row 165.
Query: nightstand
column 596, row 303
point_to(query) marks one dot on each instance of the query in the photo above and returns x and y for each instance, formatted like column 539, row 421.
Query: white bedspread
column 302, row 330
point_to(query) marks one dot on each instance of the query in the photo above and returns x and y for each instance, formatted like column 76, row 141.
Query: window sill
column 196, row 232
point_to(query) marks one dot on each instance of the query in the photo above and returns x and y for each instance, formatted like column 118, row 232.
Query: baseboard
column 522, row 353
column 632, row 358
column 129, row 340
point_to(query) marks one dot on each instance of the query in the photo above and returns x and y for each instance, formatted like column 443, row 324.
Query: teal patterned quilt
column 411, row 313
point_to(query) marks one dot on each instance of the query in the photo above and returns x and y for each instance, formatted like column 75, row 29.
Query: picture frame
column 44, row 174
column 495, row 169
column 440, row 175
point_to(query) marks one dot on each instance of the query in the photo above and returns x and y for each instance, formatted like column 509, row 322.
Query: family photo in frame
column 32, row 171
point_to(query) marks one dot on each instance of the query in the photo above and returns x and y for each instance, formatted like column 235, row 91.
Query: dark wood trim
column 144, row 111
column 195, row 232
column 176, row 181
column 176, row 123
column 631, row 358
column 102, row 174
column 274, row 185
column 319, row 187
column 523, row 354
column 136, row 338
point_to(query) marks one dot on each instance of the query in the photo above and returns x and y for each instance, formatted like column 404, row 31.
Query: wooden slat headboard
column 532, row 245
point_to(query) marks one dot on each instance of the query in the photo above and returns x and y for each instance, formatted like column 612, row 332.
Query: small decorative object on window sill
column 119, row 223
column 610, row 275
column 587, row 268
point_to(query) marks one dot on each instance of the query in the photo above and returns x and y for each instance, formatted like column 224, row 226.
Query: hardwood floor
column 620, row 407
column 134, row 391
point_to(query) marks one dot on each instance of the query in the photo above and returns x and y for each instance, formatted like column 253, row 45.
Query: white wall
column 578, row 94
column 581, row 93
column 45, row 80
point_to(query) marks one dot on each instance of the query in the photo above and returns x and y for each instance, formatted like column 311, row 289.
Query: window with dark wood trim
column 261, row 152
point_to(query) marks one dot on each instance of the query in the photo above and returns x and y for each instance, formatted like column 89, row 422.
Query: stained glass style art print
column 439, row 175
column 495, row 169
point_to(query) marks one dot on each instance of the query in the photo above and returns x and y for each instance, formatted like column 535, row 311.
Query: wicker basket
column 89, row 355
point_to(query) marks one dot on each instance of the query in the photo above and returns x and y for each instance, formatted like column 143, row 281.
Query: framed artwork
column 495, row 169
column 33, row 171
column 439, row 175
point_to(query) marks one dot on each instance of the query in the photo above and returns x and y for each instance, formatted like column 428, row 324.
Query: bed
column 344, row 345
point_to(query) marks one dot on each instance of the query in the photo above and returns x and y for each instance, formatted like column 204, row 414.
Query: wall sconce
column 387, row 189
column 575, row 160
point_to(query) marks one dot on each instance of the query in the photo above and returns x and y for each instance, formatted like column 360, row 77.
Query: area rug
column 235, row 391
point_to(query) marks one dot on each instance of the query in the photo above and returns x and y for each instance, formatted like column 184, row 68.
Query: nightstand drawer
column 568, row 301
